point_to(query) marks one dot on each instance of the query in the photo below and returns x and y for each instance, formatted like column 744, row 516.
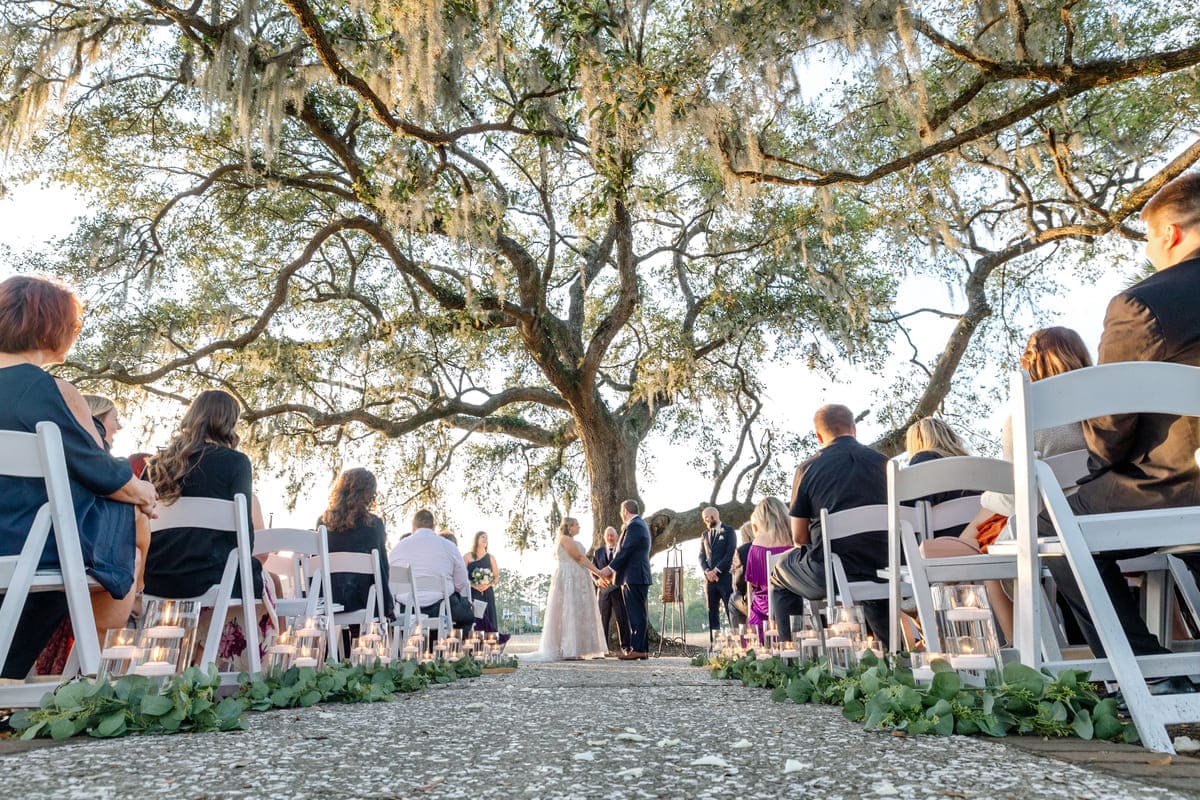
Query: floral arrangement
column 481, row 576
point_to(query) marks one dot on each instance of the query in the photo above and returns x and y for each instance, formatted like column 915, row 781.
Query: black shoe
column 1176, row 684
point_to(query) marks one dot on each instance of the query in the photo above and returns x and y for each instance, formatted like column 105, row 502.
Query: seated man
column 1141, row 461
column 427, row 554
column 844, row 474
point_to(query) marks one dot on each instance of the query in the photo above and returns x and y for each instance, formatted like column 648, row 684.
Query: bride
column 571, row 629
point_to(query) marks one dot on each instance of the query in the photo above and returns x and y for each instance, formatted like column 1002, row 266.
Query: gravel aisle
column 591, row 729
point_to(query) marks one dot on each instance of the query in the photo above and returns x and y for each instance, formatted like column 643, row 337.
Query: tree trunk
column 610, row 448
column 669, row 527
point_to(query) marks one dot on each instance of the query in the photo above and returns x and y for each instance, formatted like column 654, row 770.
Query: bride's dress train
column 572, row 627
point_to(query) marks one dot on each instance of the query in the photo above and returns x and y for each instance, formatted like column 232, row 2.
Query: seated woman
column 201, row 460
column 39, row 322
column 104, row 418
column 931, row 438
column 772, row 535
column 353, row 528
column 1049, row 352
column 739, row 603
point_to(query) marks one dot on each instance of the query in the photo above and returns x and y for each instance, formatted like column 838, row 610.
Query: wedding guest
column 201, row 460
column 104, row 417
column 1144, row 461
column 484, row 574
column 449, row 536
column 843, row 474
column 931, row 438
column 39, row 322
column 717, row 544
column 354, row 528
column 609, row 599
column 739, row 602
column 772, row 535
column 431, row 555
column 1048, row 352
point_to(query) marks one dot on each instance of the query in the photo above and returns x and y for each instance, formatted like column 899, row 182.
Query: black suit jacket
column 1147, row 460
column 632, row 560
column 716, row 549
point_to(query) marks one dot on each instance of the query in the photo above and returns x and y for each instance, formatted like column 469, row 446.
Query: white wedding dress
column 571, row 628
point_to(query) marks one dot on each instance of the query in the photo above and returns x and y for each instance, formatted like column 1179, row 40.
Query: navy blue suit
column 612, row 604
column 631, row 566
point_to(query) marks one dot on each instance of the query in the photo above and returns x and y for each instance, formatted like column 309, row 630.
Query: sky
column 31, row 216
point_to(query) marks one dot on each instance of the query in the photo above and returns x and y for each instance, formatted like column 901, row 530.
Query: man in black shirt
column 844, row 474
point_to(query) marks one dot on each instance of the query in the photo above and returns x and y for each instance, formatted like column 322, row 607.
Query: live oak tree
column 522, row 237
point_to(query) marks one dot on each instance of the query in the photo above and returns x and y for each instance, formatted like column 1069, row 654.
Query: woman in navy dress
column 353, row 528
column 483, row 572
column 39, row 322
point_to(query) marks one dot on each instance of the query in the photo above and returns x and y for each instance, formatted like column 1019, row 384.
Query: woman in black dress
column 353, row 528
column 483, row 573
column 201, row 460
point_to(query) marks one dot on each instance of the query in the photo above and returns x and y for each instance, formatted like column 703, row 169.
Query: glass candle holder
column 771, row 638
column 310, row 639
column 362, row 652
column 160, row 657
column 810, row 643
column 967, row 627
column 840, row 648
column 171, row 624
column 280, row 652
column 120, row 653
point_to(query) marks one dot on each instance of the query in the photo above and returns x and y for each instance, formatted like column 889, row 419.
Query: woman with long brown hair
column 201, row 460
column 354, row 528
column 484, row 573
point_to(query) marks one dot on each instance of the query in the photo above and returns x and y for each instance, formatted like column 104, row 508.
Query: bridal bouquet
column 480, row 576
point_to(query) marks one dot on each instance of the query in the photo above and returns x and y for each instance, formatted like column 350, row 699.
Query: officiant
column 717, row 545
column 612, row 606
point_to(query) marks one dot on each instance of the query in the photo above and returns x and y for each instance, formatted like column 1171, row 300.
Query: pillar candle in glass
column 280, row 652
column 171, row 624
column 120, row 653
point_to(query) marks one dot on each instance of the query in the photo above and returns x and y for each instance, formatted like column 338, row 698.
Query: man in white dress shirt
column 430, row 554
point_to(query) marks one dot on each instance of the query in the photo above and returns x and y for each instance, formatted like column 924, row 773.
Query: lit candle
column 974, row 662
column 305, row 662
column 968, row 614
column 121, row 652
column 154, row 669
column 164, row 632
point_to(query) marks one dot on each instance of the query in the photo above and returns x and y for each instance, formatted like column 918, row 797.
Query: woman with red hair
column 39, row 322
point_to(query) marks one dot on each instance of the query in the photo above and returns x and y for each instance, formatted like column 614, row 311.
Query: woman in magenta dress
column 772, row 534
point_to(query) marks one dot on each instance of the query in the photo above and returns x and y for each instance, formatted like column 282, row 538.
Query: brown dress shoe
column 633, row 655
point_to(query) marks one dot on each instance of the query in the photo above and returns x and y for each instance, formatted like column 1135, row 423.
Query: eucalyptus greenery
column 880, row 694
column 134, row 704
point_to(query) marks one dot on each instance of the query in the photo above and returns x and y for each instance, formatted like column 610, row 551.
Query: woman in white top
column 571, row 629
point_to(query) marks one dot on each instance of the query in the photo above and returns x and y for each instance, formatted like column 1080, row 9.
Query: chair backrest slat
column 20, row 455
column 1114, row 389
column 968, row 473
column 196, row 512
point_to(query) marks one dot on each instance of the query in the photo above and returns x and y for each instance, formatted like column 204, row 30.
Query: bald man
column 844, row 474
column 717, row 544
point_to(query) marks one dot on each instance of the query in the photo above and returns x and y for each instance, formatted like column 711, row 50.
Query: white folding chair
column 40, row 455
column 402, row 585
column 302, row 557
column 1135, row 387
column 854, row 522
column 220, row 516
column 340, row 562
column 922, row 480
column 405, row 587
column 772, row 560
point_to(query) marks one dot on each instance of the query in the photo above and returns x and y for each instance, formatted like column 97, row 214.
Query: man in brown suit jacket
column 1141, row 461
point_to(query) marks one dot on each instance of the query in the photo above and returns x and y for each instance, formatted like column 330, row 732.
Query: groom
column 630, row 569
